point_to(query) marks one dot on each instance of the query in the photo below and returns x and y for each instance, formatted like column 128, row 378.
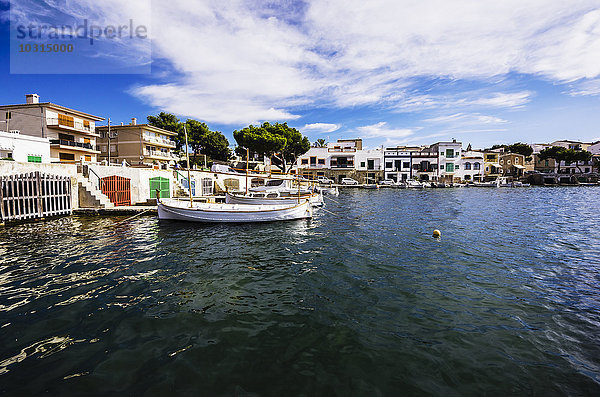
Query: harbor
column 363, row 301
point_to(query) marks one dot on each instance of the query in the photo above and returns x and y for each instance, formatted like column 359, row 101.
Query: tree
column 575, row 156
column 320, row 143
column 215, row 145
column 521, row 148
column 282, row 142
column 557, row 153
column 169, row 122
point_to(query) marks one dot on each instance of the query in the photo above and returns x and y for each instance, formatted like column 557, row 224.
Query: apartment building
column 344, row 158
column 449, row 160
column 138, row 145
column 398, row 162
column 472, row 166
column 71, row 133
column 492, row 168
column 513, row 165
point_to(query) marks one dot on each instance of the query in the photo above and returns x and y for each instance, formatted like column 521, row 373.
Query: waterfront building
column 492, row 168
column 71, row 133
column 398, row 162
column 472, row 165
column 424, row 164
column 545, row 165
column 449, row 160
column 344, row 158
column 138, row 145
column 24, row 148
column 512, row 165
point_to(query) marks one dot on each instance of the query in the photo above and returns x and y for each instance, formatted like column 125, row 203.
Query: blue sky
column 388, row 71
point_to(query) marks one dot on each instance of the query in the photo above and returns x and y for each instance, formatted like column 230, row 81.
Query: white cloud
column 586, row 87
column 381, row 130
column 320, row 127
column 464, row 118
column 237, row 61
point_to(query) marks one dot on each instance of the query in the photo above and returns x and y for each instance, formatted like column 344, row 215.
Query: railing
column 159, row 140
column 95, row 180
column 67, row 142
column 78, row 125
column 157, row 153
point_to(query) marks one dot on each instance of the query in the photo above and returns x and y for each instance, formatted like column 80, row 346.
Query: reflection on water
column 360, row 302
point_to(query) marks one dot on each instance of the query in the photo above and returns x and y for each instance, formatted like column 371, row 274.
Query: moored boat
column 281, row 197
column 231, row 213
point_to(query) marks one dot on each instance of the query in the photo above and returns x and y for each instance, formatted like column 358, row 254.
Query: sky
column 392, row 72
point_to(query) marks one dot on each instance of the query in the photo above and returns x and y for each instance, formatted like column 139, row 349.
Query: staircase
column 89, row 196
column 180, row 190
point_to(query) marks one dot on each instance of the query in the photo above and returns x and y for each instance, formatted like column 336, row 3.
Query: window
column 501, row 161
column 467, row 166
column 66, row 137
column 86, row 140
column 547, row 163
column 304, row 161
column 66, row 156
column 320, row 173
column 103, row 148
column 456, row 167
column 397, row 164
column 371, row 164
column 321, row 161
column 406, row 164
column 66, row 120
column 516, row 160
column 34, row 159
column 88, row 158
column 388, row 164
column 587, row 170
column 450, row 153
column 487, row 169
column 362, row 164
column 313, row 161
column 507, row 161
column 441, row 154
column 441, row 166
column 86, row 124
column 113, row 148
column 476, row 166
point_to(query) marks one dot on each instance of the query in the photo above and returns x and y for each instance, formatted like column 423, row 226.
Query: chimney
column 32, row 98
column 133, row 121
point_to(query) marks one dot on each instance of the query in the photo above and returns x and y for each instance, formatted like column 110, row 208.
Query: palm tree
column 320, row 143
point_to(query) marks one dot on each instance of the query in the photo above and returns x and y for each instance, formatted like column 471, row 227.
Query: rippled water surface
column 363, row 302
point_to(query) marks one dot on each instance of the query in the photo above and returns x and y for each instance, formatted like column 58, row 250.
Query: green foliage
column 520, row 148
column 320, row 143
column 201, row 140
column 555, row 152
column 559, row 154
column 284, row 142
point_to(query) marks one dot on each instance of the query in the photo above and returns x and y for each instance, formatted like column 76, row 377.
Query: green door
column 162, row 184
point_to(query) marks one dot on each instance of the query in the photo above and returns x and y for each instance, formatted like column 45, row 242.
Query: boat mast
column 247, row 155
column 187, row 157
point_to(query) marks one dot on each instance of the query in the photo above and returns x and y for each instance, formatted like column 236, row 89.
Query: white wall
column 22, row 146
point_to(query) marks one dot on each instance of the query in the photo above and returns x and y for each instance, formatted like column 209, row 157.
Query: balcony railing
column 158, row 153
column 66, row 142
column 160, row 141
column 71, row 124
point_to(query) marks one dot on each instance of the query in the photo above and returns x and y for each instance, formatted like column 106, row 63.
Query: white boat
column 231, row 213
column 328, row 191
column 412, row 184
column 281, row 197
column 495, row 183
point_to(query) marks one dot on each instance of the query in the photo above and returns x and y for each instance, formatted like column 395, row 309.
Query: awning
column 494, row 165
column 519, row 166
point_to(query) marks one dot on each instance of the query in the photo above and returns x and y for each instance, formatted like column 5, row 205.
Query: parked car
column 387, row 182
column 349, row 181
column 323, row 179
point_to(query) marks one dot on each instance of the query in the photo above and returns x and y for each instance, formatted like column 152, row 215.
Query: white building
column 449, row 160
column 24, row 148
column 471, row 167
column 342, row 159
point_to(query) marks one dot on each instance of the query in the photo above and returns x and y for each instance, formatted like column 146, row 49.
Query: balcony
column 160, row 155
column 159, row 141
column 72, row 145
column 70, row 125
column 349, row 165
column 344, row 149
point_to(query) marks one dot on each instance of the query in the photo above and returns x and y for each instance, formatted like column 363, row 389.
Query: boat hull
column 232, row 213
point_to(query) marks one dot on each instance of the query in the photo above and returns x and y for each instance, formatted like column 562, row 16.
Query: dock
column 121, row 210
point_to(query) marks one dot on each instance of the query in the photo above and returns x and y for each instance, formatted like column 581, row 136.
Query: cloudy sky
column 388, row 71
